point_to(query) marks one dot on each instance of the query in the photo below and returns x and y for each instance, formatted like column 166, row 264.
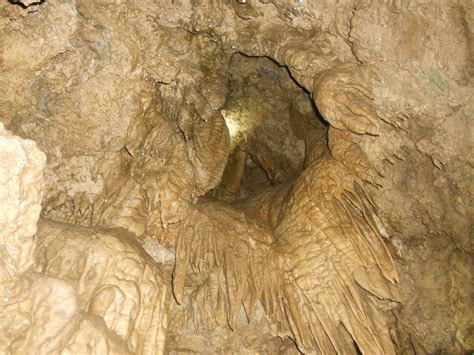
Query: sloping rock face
column 130, row 102
column 70, row 289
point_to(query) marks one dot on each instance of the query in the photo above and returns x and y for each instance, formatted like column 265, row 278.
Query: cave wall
column 124, row 98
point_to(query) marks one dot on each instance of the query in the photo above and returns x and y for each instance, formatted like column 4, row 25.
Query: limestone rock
column 257, row 139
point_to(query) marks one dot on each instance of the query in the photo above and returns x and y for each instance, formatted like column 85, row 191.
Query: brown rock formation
column 300, row 172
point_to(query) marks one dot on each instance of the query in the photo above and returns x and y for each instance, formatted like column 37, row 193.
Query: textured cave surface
column 241, row 177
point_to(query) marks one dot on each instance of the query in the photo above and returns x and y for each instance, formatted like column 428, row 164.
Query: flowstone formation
column 228, row 176
column 66, row 289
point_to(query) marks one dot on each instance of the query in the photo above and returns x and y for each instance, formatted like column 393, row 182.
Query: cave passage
column 271, row 122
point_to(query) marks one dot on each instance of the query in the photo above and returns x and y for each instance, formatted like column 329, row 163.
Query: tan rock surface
column 117, row 283
column 83, row 291
column 337, row 120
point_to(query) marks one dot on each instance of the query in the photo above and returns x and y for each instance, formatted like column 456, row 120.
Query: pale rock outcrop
column 32, row 318
column 120, row 288
column 66, row 289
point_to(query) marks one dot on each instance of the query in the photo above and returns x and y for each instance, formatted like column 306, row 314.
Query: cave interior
column 236, row 177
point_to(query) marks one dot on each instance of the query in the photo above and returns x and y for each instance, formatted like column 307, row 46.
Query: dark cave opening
column 273, row 124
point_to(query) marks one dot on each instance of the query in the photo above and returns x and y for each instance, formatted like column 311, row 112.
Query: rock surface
column 355, row 116
column 67, row 289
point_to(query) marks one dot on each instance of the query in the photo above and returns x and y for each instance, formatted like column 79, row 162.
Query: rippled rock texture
column 300, row 171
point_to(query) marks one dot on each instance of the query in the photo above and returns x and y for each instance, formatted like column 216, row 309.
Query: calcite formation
column 66, row 289
column 226, row 176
